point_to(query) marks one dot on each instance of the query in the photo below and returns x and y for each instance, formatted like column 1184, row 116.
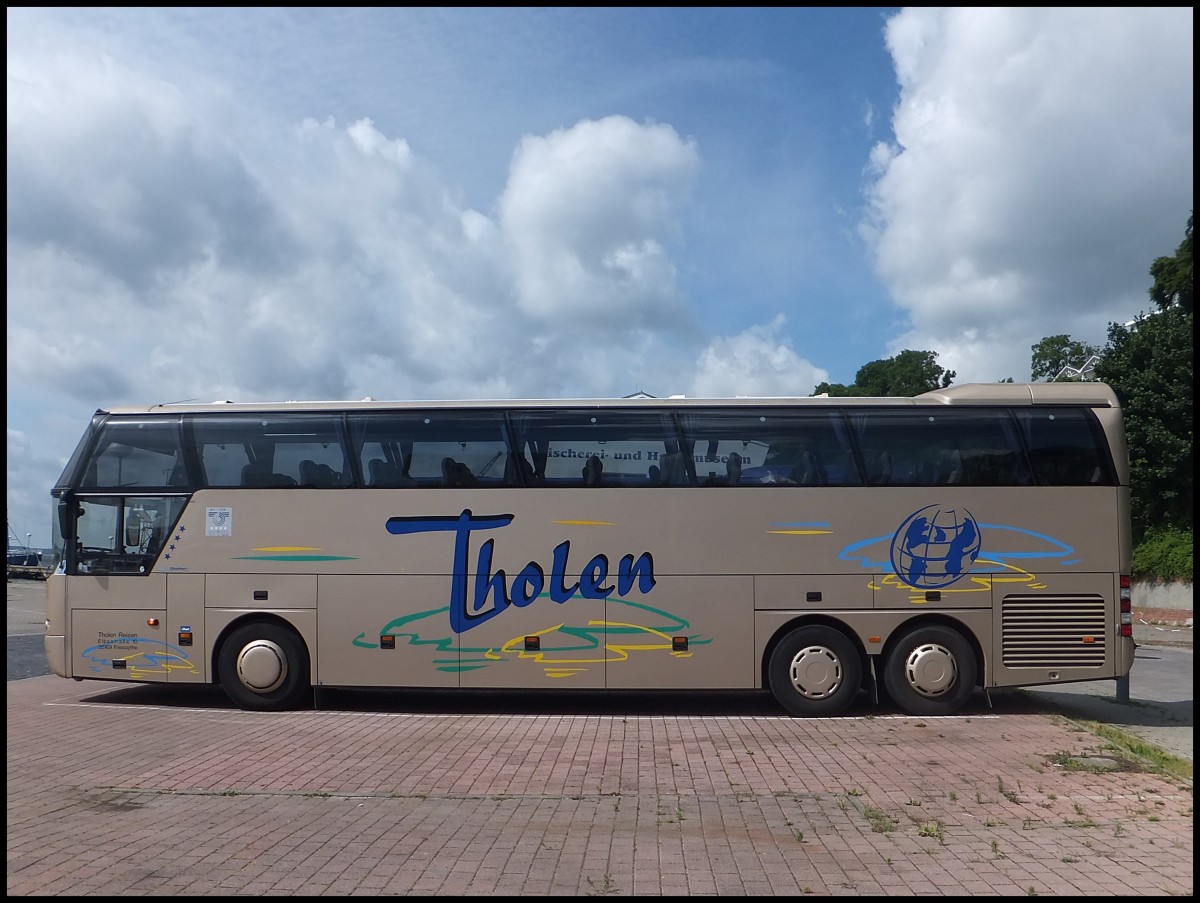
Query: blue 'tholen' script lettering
column 492, row 593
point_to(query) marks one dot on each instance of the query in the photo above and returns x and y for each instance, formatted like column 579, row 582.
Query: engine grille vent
column 1053, row 631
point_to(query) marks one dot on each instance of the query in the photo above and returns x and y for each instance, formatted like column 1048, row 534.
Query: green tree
column 1149, row 364
column 1056, row 356
column 836, row 390
column 1173, row 276
column 908, row 373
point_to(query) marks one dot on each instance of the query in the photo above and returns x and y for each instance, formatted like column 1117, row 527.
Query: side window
column 899, row 447
column 139, row 453
column 923, row 446
column 1065, row 448
column 990, row 452
column 601, row 448
column 768, row 447
column 446, row 449
column 272, row 450
column 121, row 534
column 224, row 451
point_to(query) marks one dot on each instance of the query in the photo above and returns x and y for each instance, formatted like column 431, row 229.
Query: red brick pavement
column 140, row 791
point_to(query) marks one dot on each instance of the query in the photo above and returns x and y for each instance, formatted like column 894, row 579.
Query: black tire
column 815, row 672
column 264, row 667
column 930, row 671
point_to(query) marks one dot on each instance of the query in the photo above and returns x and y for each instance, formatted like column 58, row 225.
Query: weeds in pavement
column 881, row 822
column 933, row 829
column 604, row 888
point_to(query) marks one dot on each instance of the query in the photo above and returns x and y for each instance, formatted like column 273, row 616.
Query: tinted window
column 924, row 447
column 1064, row 447
column 136, row 452
column 450, row 449
column 600, row 448
column 272, row 450
column 769, row 447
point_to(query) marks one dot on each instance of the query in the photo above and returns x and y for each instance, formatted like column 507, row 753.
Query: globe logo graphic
column 935, row 547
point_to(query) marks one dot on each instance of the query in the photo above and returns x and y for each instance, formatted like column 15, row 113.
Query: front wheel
column 815, row 671
column 264, row 667
column 930, row 671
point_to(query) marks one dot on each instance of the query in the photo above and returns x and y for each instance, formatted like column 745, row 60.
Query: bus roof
column 1094, row 394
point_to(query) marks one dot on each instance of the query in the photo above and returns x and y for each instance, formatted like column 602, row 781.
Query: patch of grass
column 881, row 822
column 1153, row 759
column 933, row 829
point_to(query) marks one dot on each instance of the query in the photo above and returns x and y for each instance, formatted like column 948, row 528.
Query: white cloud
column 1035, row 153
column 759, row 361
column 266, row 256
column 587, row 214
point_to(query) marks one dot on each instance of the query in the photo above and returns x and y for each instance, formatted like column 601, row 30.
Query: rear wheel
column 815, row 671
column 930, row 671
column 264, row 667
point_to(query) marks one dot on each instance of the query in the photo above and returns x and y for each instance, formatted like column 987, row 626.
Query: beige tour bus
column 905, row 550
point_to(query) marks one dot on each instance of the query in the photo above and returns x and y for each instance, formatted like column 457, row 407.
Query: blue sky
column 295, row 203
